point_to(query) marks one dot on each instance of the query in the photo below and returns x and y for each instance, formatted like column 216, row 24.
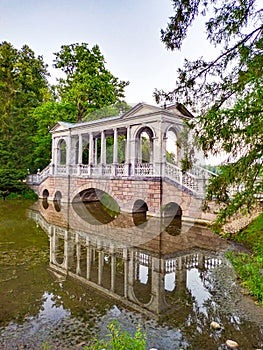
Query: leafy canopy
column 23, row 87
column 88, row 84
column 226, row 93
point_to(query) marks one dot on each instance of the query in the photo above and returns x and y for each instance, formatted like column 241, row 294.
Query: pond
column 67, row 271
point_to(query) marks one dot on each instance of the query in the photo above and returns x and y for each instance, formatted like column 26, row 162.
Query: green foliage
column 170, row 157
column 119, row 340
column 108, row 111
column 88, row 84
column 249, row 266
column 226, row 92
column 23, row 87
column 45, row 117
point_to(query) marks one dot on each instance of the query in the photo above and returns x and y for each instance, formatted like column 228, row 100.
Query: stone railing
column 39, row 176
column 196, row 180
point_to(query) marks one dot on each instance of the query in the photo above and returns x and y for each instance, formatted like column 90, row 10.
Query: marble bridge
column 134, row 159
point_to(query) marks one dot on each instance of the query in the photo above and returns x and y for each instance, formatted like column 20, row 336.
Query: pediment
column 61, row 126
column 141, row 109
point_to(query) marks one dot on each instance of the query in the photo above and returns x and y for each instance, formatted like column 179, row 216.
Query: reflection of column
column 113, row 271
column 68, row 251
column 100, row 267
column 91, row 148
column 103, row 148
column 158, row 304
column 201, row 261
column 115, row 146
column 130, row 275
column 125, row 257
column 80, row 149
column 78, row 255
column 180, row 275
column 89, row 256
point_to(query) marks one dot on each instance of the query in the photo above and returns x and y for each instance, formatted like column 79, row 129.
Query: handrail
column 194, row 180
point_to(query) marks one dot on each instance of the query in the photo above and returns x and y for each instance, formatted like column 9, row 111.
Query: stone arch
column 95, row 206
column 172, row 149
column 172, row 218
column 45, row 194
column 62, row 152
column 144, row 145
column 57, row 201
column 139, row 213
column 172, row 209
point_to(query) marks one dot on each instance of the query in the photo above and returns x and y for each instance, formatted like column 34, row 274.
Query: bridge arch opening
column 57, row 201
column 45, row 195
column 96, row 206
column 144, row 143
column 172, row 218
column 139, row 213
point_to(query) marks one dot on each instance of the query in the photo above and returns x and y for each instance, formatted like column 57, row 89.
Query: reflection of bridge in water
column 147, row 267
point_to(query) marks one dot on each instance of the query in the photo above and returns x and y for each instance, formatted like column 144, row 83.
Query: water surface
column 67, row 271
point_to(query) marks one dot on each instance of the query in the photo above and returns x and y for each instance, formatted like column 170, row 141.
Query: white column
column 80, row 149
column 103, row 148
column 68, row 153
column 128, row 141
column 96, row 152
column 91, row 148
column 115, row 146
column 55, row 155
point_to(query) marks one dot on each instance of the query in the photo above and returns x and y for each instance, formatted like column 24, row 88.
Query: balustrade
column 143, row 169
column 195, row 181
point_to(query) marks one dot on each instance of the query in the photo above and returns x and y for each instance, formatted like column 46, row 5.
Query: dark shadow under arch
column 96, row 206
column 139, row 213
column 45, row 194
column 172, row 218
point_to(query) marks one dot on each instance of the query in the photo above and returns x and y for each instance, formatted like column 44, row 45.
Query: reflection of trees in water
column 94, row 212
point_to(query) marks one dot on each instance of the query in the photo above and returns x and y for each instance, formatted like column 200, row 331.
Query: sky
column 127, row 32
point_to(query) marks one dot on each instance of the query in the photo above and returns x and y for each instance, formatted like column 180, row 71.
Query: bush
column 119, row 340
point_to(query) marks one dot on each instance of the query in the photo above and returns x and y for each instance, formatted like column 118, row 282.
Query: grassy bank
column 249, row 267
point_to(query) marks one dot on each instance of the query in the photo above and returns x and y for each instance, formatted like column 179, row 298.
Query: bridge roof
column 141, row 109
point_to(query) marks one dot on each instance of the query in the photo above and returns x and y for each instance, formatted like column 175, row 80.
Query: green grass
column 249, row 267
column 119, row 340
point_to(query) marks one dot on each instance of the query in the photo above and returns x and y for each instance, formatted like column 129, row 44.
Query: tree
column 109, row 111
column 45, row 117
column 88, row 84
column 227, row 94
column 23, row 87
